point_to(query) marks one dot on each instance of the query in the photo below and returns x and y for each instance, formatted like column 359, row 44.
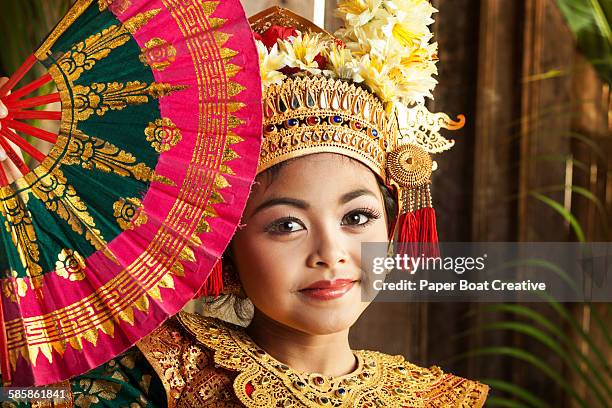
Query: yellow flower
column 342, row 63
column 359, row 12
column 301, row 51
column 269, row 64
column 411, row 21
column 375, row 73
column 415, row 82
column 389, row 41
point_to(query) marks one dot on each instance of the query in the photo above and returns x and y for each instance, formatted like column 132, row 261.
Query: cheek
column 264, row 268
column 378, row 232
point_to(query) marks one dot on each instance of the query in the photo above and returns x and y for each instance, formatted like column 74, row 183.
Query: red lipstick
column 328, row 290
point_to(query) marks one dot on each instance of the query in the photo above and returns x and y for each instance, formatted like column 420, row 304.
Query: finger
column 3, row 109
column 11, row 171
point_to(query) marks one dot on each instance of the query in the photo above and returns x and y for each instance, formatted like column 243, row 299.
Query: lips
column 328, row 290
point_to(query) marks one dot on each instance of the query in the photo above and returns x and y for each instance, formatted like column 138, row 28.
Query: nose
column 328, row 248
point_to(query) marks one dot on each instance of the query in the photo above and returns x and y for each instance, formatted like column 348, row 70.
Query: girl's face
column 299, row 255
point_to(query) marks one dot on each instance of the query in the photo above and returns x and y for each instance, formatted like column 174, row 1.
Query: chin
column 322, row 322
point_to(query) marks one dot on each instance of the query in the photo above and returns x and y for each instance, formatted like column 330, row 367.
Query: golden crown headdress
column 360, row 93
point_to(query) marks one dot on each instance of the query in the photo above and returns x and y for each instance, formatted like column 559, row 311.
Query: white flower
column 390, row 43
column 376, row 75
column 269, row 64
column 342, row 64
column 301, row 51
column 358, row 12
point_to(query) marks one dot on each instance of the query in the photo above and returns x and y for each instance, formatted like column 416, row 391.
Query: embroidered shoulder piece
column 380, row 380
column 186, row 369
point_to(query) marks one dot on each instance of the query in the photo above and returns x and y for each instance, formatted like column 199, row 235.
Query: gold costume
column 206, row 362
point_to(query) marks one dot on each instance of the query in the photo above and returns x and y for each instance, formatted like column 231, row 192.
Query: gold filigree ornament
column 158, row 54
column 420, row 127
column 410, row 166
column 380, row 380
column 306, row 115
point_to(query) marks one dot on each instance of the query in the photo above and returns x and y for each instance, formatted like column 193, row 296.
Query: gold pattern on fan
column 84, row 55
column 14, row 288
column 52, row 189
column 129, row 213
column 18, row 222
column 92, row 153
column 116, row 6
column 70, row 265
column 99, row 98
column 158, row 54
column 163, row 134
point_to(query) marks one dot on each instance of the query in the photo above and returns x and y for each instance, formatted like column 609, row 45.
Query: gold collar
column 380, row 380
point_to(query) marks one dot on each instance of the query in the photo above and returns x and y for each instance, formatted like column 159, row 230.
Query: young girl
column 325, row 186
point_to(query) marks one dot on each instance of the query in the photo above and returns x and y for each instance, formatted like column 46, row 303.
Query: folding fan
column 120, row 223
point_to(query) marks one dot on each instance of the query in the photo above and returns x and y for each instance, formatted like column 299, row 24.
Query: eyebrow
column 356, row 193
column 303, row 205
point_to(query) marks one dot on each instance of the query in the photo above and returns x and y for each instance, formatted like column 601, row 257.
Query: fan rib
column 14, row 157
column 32, row 131
column 18, row 75
column 41, row 115
column 29, row 149
column 32, row 102
column 29, row 88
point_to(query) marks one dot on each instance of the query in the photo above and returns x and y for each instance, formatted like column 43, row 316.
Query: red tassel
column 427, row 233
column 407, row 234
column 417, row 234
column 214, row 283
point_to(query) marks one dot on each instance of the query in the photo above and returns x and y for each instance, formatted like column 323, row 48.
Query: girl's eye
column 360, row 217
column 285, row 226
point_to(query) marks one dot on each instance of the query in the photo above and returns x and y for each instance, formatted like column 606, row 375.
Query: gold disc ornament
column 409, row 166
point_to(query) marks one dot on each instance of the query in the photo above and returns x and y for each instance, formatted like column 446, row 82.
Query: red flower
column 274, row 33
column 321, row 61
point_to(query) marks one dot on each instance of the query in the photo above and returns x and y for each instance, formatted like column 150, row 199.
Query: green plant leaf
column 516, row 391
column 560, row 334
column 586, row 194
column 564, row 212
column 523, row 355
column 548, row 341
column 504, row 402
column 591, row 23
